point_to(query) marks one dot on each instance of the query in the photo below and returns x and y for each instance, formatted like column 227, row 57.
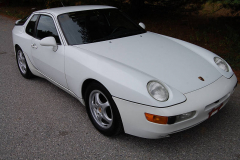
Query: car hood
column 160, row 57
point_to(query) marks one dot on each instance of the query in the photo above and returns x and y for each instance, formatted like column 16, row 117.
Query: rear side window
column 46, row 28
column 31, row 25
column 22, row 21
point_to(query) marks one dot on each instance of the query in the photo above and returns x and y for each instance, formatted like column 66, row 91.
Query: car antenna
column 62, row 4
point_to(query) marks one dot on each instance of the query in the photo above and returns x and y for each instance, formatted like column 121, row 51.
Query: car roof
column 61, row 10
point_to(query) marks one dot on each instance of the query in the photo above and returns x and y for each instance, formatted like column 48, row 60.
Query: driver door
column 47, row 61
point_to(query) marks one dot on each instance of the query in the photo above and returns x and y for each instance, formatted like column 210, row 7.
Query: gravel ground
column 40, row 121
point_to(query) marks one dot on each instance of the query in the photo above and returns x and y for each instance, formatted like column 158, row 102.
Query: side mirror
column 142, row 25
column 49, row 41
column 17, row 21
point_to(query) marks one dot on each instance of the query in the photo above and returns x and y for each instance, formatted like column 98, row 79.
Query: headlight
column 157, row 91
column 221, row 64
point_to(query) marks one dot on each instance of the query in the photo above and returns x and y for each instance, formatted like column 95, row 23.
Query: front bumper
column 202, row 101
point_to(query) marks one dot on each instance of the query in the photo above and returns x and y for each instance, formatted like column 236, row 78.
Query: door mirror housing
column 49, row 41
column 142, row 25
column 16, row 23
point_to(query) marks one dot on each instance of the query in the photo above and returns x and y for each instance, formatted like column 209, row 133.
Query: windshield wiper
column 123, row 34
column 104, row 38
column 129, row 33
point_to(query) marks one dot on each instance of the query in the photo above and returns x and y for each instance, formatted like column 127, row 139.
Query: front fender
column 121, row 81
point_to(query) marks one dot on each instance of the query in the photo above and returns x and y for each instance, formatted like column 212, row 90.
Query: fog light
column 156, row 119
column 185, row 116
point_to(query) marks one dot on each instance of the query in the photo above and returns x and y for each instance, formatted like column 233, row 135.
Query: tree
column 234, row 5
column 169, row 5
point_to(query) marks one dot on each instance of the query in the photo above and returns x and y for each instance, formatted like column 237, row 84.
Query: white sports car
column 145, row 84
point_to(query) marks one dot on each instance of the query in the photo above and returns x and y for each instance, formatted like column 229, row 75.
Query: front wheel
column 102, row 110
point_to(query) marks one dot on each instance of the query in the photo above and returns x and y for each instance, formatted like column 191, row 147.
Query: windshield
column 96, row 25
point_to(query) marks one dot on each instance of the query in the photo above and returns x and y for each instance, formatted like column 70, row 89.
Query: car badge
column 201, row 78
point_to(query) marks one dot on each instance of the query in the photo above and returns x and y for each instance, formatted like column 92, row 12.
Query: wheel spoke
column 99, row 117
column 105, row 105
column 99, row 102
column 23, row 68
column 21, row 56
column 97, row 99
column 93, row 104
column 95, row 111
column 106, row 118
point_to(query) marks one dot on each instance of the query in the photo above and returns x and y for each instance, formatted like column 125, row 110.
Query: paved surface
column 40, row 121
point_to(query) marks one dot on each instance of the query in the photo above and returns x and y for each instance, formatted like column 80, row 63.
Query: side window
column 31, row 25
column 46, row 28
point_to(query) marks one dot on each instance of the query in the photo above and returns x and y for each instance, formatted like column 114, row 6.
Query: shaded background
column 211, row 24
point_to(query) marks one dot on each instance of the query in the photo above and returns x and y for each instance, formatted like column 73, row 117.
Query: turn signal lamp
column 156, row 119
column 169, row 120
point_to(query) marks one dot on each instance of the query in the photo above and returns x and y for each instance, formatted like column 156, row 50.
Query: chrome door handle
column 34, row 46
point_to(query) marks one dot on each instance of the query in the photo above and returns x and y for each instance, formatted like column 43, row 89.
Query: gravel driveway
column 40, row 121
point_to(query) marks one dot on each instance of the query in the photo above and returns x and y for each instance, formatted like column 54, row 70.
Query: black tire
column 22, row 64
column 113, row 125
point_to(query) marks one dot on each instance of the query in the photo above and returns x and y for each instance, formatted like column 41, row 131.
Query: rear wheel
column 102, row 110
column 22, row 64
